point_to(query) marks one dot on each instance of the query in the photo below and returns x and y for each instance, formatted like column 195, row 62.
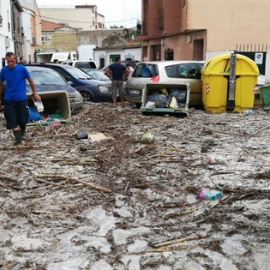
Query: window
column 46, row 38
column 161, row 19
column 9, row 26
column 18, row 26
column 46, row 78
column 186, row 70
column 145, row 70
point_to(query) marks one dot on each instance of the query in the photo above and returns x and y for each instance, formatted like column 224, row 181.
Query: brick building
column 195, row 30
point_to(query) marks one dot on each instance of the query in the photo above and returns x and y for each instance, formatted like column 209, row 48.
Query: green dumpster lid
column 220, row 64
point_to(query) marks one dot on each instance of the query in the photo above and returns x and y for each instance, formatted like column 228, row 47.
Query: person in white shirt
column 130, row 70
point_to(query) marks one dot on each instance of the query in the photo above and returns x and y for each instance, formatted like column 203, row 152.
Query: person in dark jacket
column 117, row 73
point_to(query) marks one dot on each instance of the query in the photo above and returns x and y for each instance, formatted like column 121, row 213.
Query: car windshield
column 85, row 65
column 184, row 70
column 45, row 78
column 97, row 75
column 78, row 74
column 145, row 70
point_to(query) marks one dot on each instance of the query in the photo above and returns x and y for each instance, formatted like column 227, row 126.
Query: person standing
column 117, row 73
column 15, row 99
column 22, row 60
column 130, row 70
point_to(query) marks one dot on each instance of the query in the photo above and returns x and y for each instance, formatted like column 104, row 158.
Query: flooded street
column 111, row 202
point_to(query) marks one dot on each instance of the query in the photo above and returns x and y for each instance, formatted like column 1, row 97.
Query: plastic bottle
column 247, row 112
column 210, row 194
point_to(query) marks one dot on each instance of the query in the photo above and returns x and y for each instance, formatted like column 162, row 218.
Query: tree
column 115, row 26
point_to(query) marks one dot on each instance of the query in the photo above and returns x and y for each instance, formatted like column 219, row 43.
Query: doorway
column 198, row 45
column 156, row 52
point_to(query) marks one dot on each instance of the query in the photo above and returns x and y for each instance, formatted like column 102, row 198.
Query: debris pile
column 108, row 201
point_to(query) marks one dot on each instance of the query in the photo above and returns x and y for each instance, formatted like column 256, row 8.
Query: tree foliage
column 115, row 26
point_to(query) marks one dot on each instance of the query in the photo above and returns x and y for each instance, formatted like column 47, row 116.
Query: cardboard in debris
column 150, row 88
column 97, row 137
column 54, row 102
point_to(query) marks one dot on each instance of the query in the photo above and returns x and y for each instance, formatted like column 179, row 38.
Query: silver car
column 165, row 72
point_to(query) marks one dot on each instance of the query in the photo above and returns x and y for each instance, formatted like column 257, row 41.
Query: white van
column 89, row 64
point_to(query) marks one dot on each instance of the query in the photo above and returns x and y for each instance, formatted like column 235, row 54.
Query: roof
column 49, row 26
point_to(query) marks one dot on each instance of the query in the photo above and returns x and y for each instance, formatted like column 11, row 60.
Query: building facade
column 31, row 23
column 58, row 37
column 83, row 17
column 117, row 45
column 20, row 28
column 6, row 36
column 196, row 30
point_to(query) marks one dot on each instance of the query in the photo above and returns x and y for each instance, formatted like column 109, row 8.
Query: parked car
column 96, row 75
column 81, row 63
column 91, row 90
column 47, row 80
column 165, row 72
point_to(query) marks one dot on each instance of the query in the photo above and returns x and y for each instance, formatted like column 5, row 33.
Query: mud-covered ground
column 119, row 204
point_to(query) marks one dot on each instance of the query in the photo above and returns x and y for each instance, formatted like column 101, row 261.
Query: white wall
column 212, row 54
column 86, row 51
column 81, row 18
column 6, row 43
column 267, row 67
column 136, row 53
column 26, row 23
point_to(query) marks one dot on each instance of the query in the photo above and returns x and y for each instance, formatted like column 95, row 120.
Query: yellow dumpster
column 217, row 80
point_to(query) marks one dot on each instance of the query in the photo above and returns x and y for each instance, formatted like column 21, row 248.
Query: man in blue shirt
column 117, row 73
column 15, row 100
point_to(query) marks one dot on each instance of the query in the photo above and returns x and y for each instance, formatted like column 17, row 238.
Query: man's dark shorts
column 16, row 113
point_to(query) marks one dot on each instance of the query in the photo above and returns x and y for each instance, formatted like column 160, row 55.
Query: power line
column 62, row 20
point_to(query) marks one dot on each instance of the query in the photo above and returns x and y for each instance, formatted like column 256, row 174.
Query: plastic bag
column 173, row 103
column 210, row 194
column 147, row 137
column 150, row 105
column 33, row 115
column 179, row 94
column 159, row 99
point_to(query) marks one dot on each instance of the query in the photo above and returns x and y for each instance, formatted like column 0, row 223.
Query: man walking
column 117, row 73
column 15, row 100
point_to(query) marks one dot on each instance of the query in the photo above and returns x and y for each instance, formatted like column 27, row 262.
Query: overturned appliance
column 55, row 107
column 165, row 98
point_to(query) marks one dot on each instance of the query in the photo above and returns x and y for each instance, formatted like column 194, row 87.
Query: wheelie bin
column 217, row 80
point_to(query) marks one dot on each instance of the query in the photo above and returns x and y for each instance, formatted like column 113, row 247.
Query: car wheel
column 86, row 96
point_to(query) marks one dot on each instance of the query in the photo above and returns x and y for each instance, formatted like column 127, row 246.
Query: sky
column 116, row 12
